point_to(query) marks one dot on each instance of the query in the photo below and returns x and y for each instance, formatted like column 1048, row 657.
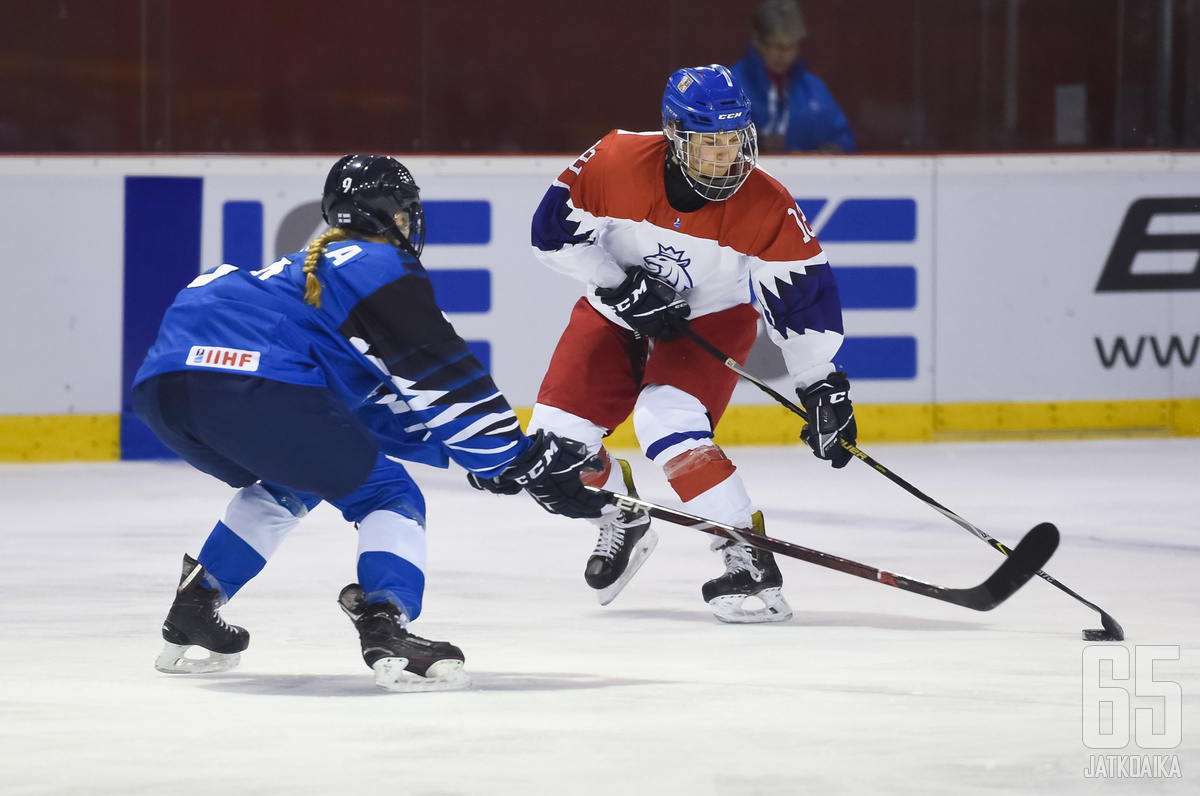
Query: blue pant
column 304, row 446
column 243, row 429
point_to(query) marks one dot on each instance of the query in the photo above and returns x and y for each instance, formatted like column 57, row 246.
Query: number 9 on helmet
column 365, row 193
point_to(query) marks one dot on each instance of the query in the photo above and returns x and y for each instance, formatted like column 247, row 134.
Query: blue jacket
column 813, row 117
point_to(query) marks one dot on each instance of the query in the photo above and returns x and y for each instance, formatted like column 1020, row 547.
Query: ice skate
column 749, row 573
column 197, row 639
column 624, row 544
column 400, row 660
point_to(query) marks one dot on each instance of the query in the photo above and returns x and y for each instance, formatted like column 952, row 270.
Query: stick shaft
column 1034, row 550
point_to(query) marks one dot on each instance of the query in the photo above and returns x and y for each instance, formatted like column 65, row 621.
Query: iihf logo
column 671, row 265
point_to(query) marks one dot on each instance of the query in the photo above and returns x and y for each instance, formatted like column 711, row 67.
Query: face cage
column 714, row 187
column 380, row 206
column 414, row 242
column 416, row 227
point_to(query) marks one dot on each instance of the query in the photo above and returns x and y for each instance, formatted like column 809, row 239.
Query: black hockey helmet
column 364, row 193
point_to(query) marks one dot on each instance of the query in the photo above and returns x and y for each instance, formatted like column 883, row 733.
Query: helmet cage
column 365, row 192
column 714, row 172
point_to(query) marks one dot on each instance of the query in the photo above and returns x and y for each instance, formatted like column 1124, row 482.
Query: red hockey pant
column 599, row 368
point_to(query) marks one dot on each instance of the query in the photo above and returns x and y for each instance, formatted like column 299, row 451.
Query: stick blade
column 1112, row 630
column 1023, row 562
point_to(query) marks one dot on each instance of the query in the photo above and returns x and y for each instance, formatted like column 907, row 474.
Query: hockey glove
column 647, row 303
column 830, row 418
column 550, row 472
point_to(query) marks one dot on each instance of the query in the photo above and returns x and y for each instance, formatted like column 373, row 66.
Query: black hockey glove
column 550, row 471
column 830, row 418
column 647, row 303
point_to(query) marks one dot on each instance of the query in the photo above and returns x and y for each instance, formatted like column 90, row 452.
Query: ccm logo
column 224, row 358
column 539, row 468
column 729, row 115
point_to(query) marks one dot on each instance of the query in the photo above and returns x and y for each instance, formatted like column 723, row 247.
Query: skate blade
column 390, row 675
column 174, row 659
column 731, row 608
column 641, row 552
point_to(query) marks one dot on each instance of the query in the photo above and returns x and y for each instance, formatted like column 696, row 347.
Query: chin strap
column 395, row 238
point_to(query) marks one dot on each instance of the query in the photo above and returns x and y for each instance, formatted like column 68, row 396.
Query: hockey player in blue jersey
column 307, row 381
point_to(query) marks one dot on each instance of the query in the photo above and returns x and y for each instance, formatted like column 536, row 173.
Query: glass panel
column 912, row 76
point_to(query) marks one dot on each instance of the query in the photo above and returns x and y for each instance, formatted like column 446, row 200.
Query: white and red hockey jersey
column 608, row 212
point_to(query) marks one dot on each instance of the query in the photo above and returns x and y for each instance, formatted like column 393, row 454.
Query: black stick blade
column 1111, row 632
column 1023, row 562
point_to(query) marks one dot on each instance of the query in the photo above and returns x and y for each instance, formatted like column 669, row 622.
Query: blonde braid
column 312, row 285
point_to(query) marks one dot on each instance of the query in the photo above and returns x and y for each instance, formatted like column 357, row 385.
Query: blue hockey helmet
column 365, row 192
column 706, row 119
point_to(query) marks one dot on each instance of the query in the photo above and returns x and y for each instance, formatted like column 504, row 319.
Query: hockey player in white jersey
column 671, row 227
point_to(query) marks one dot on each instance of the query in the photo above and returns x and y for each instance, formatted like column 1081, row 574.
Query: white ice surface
column 867, row 690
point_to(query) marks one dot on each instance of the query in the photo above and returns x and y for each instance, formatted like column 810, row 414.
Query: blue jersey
column 378, row 341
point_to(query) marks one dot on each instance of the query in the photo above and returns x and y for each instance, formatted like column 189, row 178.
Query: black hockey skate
column 400, row 660
column 749, row 572
column 194, row 625
column 624, row 544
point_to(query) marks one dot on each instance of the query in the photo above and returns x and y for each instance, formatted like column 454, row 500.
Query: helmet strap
column 396, row 238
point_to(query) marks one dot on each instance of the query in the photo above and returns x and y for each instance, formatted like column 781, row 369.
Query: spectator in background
column 791, row 107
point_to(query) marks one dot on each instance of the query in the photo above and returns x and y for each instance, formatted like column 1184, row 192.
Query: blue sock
column 229, row 560
column 386, row 576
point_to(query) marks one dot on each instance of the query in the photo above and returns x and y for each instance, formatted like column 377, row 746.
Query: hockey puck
column 1099, row 635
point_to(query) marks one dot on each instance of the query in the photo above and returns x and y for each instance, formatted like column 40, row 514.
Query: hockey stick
column 1112, row 631
column 1023, row 562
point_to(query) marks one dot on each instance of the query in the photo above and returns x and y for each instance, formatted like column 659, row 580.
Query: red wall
column 552, row 76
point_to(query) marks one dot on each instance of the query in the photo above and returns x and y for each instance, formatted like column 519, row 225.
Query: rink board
column 985, row 296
